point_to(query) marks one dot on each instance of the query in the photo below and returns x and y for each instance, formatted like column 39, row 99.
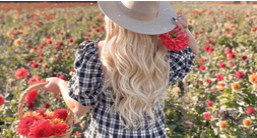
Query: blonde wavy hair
column 137, row 69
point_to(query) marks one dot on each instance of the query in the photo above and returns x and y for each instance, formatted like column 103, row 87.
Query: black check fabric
column 85, row 87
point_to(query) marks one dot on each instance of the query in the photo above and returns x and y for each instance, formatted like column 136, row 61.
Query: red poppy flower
column 206, row 48
column 244, row 57
column 34, row 80
column 220, row 77
column 232, row 56
column 40, row 54
column 23, row 127
column 46, row 105
column 231, row 64
column 65, row 52
column 202, row 60
column 59, row 129
column 175, row 40
column 229, row 51
column 70, row 40
column 61, row 114
column 1, row 99
column 31, row 62
column 45, row 66
column 62, row 77
column 222, row 64
column 59, row 45
column 201, row 67
column 250, row 110
column 40, row 60
column 49, row 41
column 77, row 134
column 211, row 42
column 72, row 70
column 30, row 105
column 207, row 116
column 239, row 74
column 211, row 49
column 34, row 65
column 86, row 37
column 208, row 81
column 48, row 37
column 31, row 96
column 40, row 129
column 209, row 103
column 21, row 73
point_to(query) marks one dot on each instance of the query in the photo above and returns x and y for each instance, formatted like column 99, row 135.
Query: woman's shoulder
column 86, row 45
column 87, row 52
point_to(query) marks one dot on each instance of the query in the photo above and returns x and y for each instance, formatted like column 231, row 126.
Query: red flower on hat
column 175, row 40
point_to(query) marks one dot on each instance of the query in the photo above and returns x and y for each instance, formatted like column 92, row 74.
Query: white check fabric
column 85, row 87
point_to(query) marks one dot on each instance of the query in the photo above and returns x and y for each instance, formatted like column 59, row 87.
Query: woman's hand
column 52, row 85
column 181, row 21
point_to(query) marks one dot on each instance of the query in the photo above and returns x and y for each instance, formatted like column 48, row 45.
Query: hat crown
column 141, row 10
column 143, row 17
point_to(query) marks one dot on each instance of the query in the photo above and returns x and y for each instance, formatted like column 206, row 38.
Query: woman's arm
column 72, row 104
column 181, row 22
column 193, row 44
column 57, row 85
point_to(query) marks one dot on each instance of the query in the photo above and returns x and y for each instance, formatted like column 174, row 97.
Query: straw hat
column 144, row 17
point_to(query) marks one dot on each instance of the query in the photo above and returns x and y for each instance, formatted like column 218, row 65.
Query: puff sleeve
column 85, row 83
column 181, row 63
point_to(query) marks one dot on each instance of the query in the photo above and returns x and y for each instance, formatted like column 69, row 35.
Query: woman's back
column 86, row 87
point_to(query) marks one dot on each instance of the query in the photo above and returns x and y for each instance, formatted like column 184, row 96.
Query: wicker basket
column 69, row 119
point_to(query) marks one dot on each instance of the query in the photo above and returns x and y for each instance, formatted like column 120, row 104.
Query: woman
column 121, row 80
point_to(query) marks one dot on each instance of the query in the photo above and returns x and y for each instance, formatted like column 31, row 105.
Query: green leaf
column 9, row 119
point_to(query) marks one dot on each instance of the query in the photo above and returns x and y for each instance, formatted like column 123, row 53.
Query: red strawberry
column 61, row 114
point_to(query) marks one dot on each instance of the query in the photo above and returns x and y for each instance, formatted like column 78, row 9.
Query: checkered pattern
column 85, row 87
column 181, row 63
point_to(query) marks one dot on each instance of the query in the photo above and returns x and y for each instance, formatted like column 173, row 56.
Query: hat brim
column 163, row 23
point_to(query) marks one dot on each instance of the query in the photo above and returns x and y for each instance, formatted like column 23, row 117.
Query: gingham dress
column 85, row 87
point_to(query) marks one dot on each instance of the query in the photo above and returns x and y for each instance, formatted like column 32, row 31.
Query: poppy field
column 217, row 99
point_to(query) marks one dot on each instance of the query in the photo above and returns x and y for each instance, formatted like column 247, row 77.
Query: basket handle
column 22, row 100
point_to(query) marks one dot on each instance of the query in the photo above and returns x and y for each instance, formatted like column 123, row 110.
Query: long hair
column 137, row 70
